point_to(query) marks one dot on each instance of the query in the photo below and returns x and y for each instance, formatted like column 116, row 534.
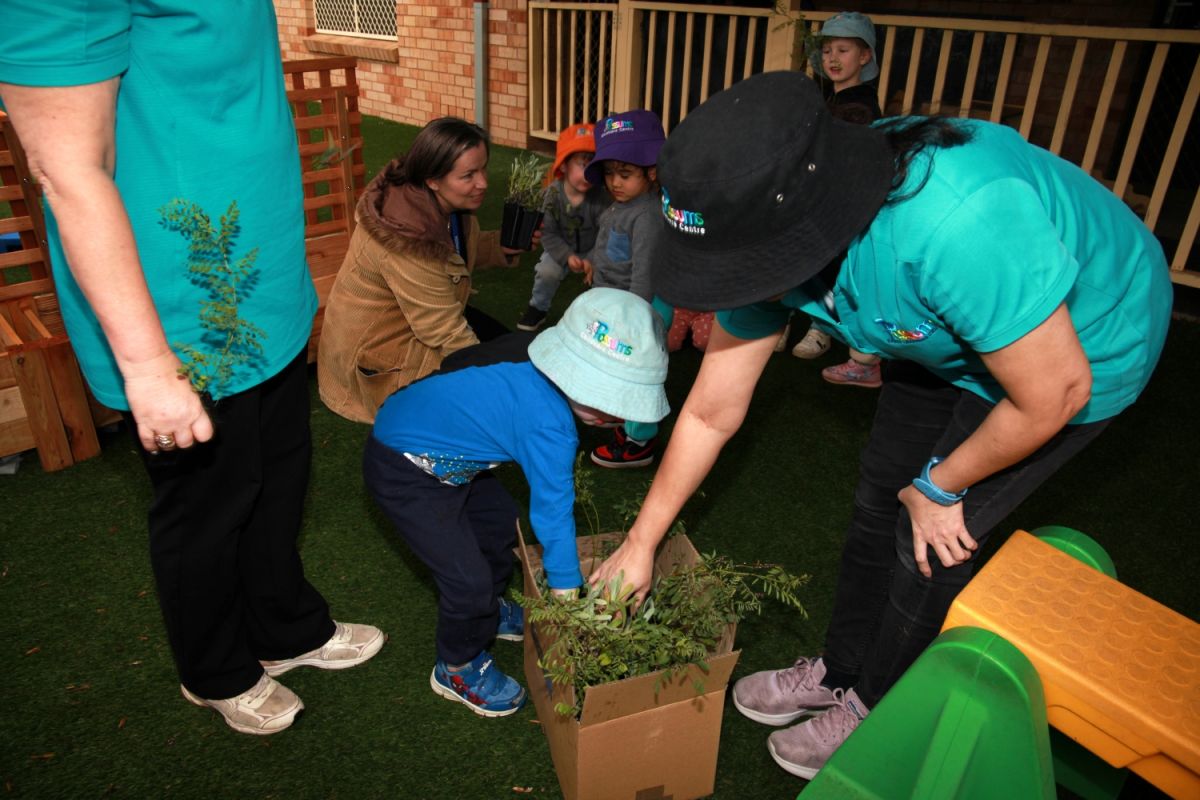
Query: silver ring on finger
column 165, row 441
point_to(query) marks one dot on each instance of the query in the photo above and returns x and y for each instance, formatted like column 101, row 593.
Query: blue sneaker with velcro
column 512, row 622
column 479, row 685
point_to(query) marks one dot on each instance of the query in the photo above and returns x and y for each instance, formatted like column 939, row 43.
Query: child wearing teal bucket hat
column 429, row 458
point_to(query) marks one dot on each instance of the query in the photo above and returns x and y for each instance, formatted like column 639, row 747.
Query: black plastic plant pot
column 516, row 230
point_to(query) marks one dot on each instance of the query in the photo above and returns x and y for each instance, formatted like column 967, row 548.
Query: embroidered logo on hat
column 617, row 126
column 683, row 221
column 598, row 336
column 898, row 334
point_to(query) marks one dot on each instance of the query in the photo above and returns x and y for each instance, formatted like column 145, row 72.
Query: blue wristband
column 937, row 494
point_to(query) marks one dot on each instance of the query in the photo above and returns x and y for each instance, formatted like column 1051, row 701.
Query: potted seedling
column 523, row 202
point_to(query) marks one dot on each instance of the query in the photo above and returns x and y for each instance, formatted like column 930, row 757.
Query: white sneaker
column 781, row 344
column 814, row 344
column 350, row 645
column 266, row 707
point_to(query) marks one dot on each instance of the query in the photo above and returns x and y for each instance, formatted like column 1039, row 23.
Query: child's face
column 572, row 170
column 627, row 181
column 593, row 416
column 843, row 60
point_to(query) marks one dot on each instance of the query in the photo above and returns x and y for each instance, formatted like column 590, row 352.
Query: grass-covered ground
column 89, row 704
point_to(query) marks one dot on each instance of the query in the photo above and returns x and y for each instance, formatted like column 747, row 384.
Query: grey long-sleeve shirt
column 628, row 238
column 571, row 230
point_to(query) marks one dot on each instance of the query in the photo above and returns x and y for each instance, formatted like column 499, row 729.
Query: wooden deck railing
column 1119, row 102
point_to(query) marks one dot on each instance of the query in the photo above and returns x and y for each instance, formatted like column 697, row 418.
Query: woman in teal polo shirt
column 1020, row 307
column 124, row 107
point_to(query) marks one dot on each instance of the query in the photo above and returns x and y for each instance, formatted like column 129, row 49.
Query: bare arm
column 1048, row 379
column 68, row 134
column 712, row 413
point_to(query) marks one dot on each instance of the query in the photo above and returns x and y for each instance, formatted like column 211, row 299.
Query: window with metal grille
column 373, row 19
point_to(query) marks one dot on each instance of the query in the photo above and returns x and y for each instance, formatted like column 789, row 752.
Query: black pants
column 885, row 612
column 486, row 327
column 464, row 534
column 223, row 528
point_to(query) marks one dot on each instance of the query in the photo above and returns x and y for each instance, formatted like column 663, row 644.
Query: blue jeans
column 547, row 275
column 885, row 612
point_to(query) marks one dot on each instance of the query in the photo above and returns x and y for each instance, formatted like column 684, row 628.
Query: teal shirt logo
column 904, row 336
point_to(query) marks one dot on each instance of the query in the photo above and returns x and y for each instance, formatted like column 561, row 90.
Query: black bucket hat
column 761, row 189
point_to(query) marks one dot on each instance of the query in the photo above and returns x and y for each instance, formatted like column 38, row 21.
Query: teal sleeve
column 64, row 43
column 756, row 321
column 998, row 267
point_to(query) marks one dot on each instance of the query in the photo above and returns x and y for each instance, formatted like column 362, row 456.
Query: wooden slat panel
column 914, row 66
column 71, row 399
column 706, row 65
column 20, row 257
column 968, row 95
column 751, row 37
column 939, row 81
column 686, row 90
column 16, row 224
column 885, row 69
column 41, row 408
column 648, row 67
column 1006, row 62
column 1035, row 86
column 1102, row 105
column 1068, row 101
column 27, row 288
column 1187, row 239
column 1149, row 86
column 668, row 71
column 1171, row 156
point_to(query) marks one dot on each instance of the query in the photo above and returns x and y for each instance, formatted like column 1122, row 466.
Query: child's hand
column 575, row 263
column 587, row 272
column 565, row 594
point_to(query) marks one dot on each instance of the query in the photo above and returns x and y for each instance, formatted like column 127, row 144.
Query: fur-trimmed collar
column 404, row 218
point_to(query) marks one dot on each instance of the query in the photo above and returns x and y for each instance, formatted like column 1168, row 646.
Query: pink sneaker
column 853, row 373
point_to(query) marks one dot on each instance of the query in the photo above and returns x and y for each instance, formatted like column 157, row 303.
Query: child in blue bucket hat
column 429, row 458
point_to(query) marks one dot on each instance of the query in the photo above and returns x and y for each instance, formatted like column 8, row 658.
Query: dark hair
column 909, row 136
column 436, row 149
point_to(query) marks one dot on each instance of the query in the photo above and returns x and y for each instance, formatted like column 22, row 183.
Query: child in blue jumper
column 428, row 464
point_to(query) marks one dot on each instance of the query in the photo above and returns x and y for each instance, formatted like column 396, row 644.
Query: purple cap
column 634, row 137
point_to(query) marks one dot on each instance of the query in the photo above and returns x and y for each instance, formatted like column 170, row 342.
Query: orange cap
column 577, row 138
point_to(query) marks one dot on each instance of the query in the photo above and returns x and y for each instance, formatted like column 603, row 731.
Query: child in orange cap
column 572, row 206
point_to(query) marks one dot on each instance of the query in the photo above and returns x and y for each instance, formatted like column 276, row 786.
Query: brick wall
column 430, row 70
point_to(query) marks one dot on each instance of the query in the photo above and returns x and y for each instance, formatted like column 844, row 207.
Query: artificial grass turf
column 88, row 699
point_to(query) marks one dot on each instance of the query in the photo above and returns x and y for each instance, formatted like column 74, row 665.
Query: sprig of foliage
column 229, row 341
column 525, row 181
column 599, row 638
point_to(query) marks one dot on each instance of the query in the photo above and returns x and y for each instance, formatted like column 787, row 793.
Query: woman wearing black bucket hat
column 1022, row 306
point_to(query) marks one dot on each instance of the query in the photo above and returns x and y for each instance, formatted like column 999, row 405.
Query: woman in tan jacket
column 399, row 303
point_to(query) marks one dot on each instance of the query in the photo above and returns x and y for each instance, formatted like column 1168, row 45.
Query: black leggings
column 885, row 612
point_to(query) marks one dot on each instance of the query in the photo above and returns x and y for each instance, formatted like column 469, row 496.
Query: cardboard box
column 631, row 742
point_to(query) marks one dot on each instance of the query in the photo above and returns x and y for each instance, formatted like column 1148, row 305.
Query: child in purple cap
column 627, row 146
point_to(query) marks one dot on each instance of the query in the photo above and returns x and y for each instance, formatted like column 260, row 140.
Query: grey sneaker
column 350, row 645
column 266, row 707
column 803, row 749
column 814, row 344
column 782, row 696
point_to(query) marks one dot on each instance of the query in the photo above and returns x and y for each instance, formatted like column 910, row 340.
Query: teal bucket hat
column 609, row 352
column 849, row 25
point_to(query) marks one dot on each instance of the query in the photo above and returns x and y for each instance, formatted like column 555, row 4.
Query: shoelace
column 836, row 724
column 258, row 694
column 800, row 675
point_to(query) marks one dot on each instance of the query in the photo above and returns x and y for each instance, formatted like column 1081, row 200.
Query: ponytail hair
column 435, row 150
column 910, row 136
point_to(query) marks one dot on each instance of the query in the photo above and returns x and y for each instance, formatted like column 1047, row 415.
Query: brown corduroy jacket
column 396, row 307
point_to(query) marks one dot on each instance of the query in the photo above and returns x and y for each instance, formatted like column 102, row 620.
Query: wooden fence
column 1119, row 102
